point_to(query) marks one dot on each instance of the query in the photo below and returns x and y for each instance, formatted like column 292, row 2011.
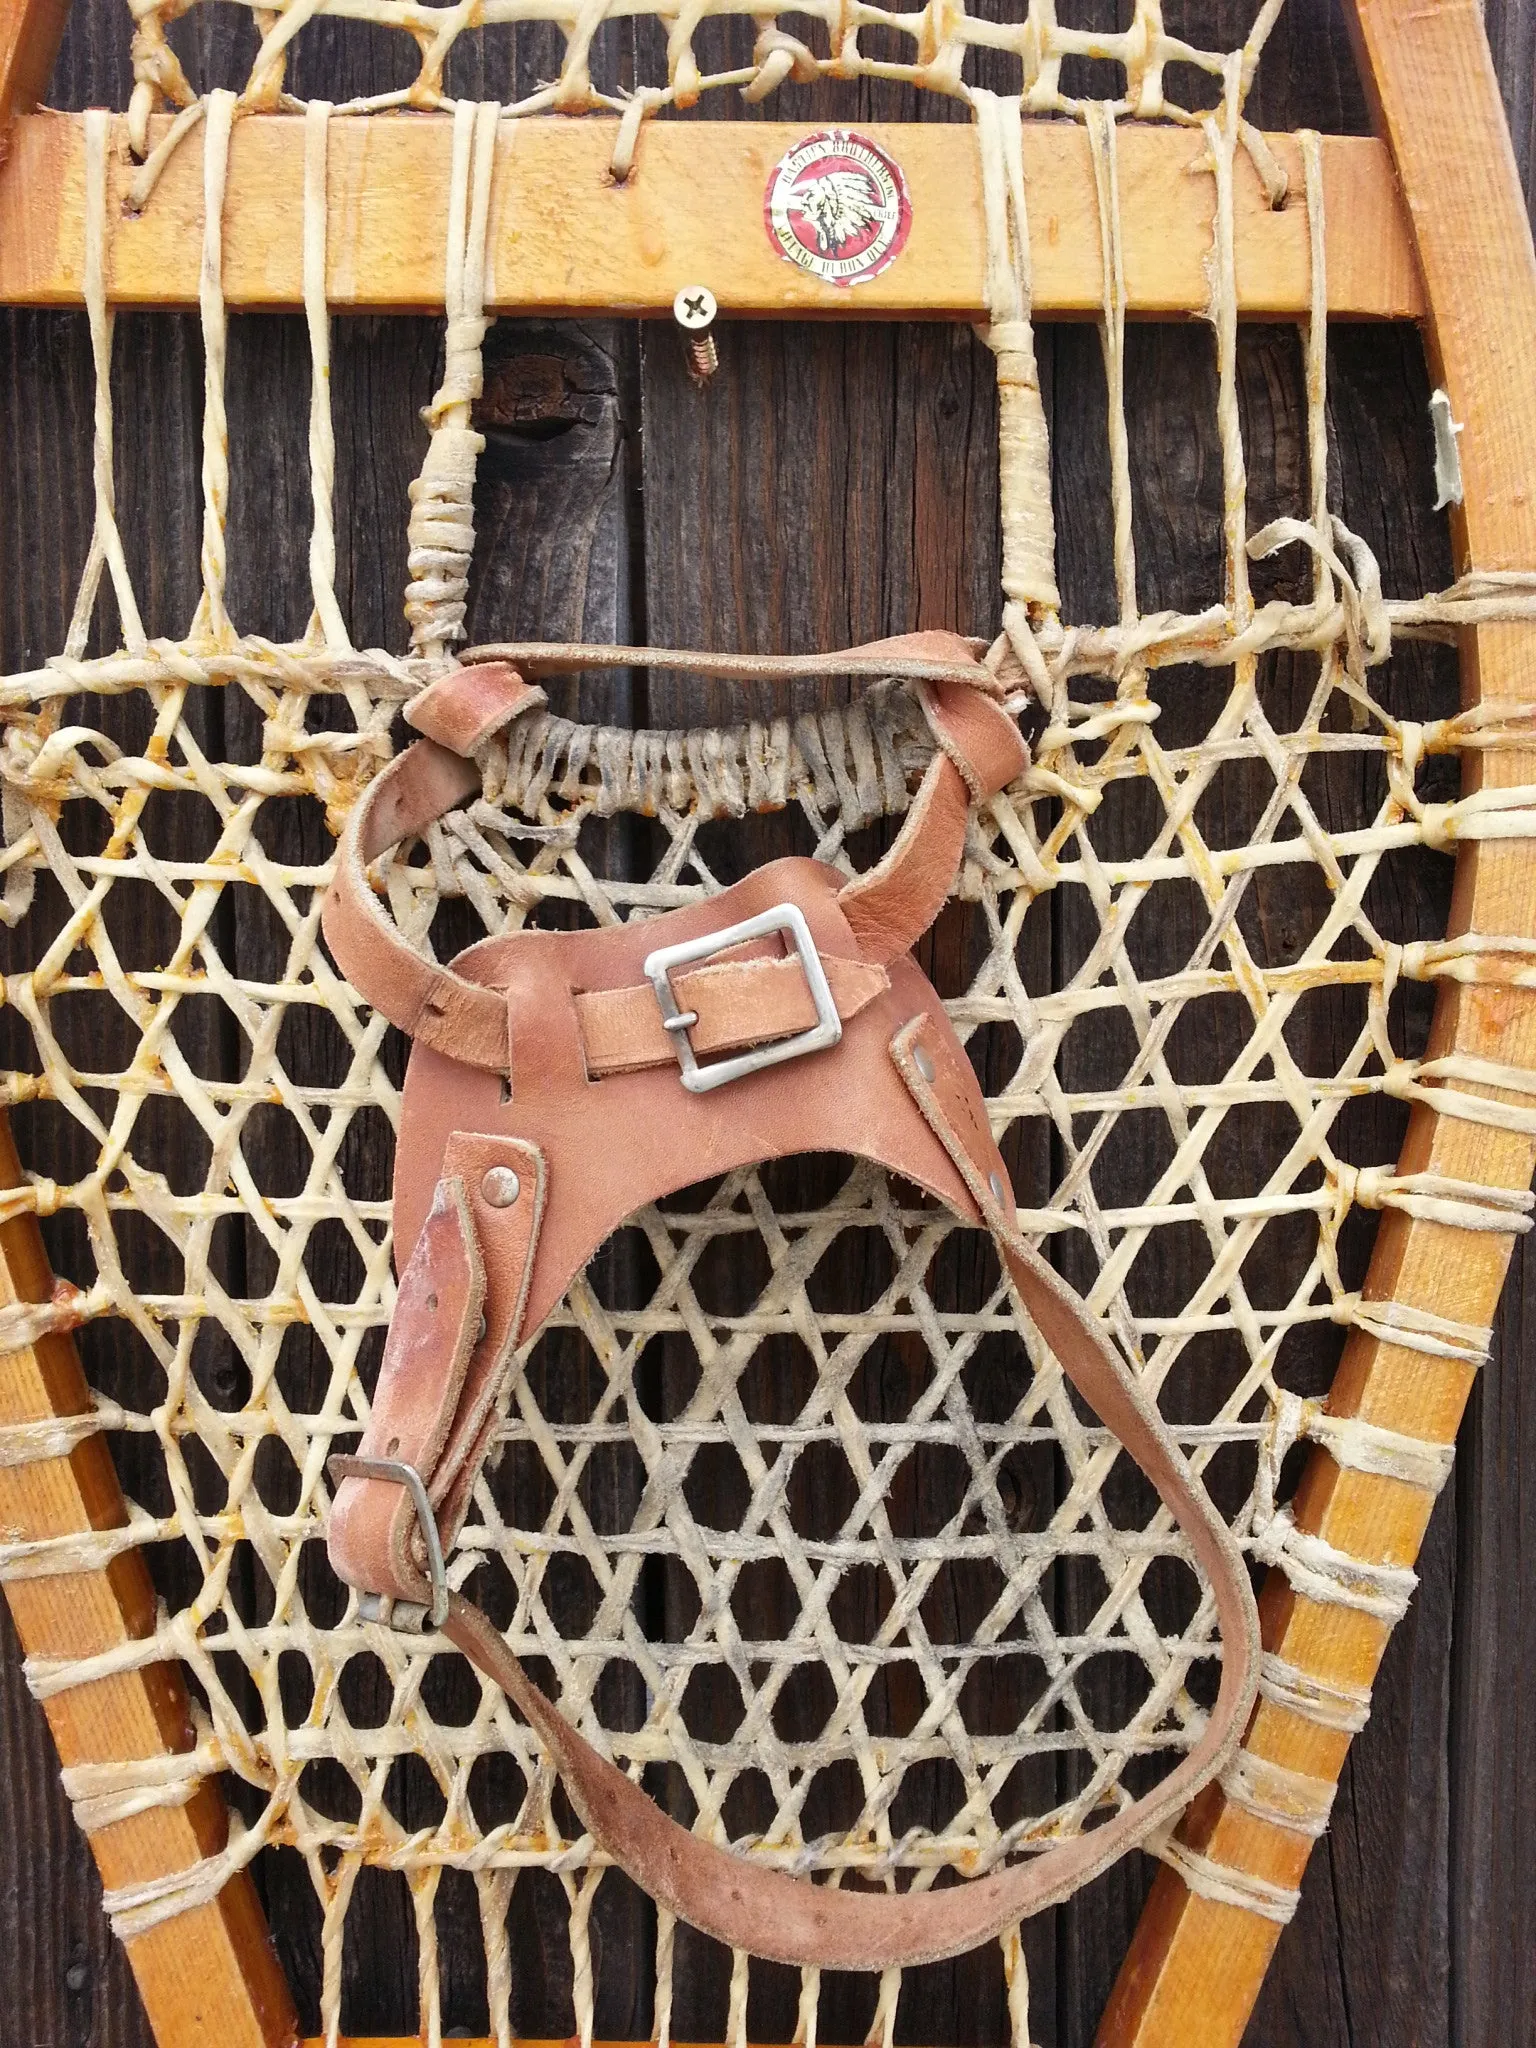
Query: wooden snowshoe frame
column 1426, row 223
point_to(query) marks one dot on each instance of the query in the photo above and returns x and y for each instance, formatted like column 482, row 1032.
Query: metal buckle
column 661, row 965
column 401, row 1614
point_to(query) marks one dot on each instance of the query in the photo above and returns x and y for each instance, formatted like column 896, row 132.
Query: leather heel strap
column 911, row 1102
column 740, row 1899
column 748, row 1905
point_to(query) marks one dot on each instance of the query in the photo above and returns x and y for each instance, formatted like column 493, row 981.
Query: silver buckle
column 663, row 963
column 402, row 1614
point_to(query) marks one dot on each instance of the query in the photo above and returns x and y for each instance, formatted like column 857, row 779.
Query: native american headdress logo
column 837, row 206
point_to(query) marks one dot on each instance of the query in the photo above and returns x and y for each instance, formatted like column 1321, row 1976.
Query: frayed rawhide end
column 442, row 540
column 442, row 524
column 1024, row 454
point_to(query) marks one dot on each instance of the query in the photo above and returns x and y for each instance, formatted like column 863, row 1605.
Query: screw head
column 694, row 308
column 500, row 1188
column 923, row 1062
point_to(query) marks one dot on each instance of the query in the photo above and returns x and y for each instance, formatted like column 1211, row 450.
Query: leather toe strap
column 980, row 751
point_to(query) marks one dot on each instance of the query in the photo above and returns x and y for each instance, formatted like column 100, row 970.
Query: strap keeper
column 464, row 709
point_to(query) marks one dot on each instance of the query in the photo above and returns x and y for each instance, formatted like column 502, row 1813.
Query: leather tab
column 893, row 905
column 981, row 751
column 978, row 736
column 737, row 1003
column 470, row 705
column 434, row 1328
column 456, row 1320
column 429, row 1002
column 508, row 1236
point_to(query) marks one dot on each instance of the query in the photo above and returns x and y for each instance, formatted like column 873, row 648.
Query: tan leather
column 745, row 1000
column 432, row 1407
column 978, row 736
column 430, row 1003
column 582, row 1099
column 897, row 901
column 468, row 706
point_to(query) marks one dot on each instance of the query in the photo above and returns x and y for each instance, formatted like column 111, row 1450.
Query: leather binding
column 533, row 1052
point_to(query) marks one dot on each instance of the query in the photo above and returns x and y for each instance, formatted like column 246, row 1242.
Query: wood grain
column 565, row 238
column 215, row 1966
column 30, row 31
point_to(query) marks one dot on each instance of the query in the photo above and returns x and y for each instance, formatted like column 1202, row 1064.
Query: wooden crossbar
column 567, row 239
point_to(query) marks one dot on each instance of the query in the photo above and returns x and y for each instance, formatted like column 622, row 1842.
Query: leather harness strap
column 980, row 752
column 556, row 1086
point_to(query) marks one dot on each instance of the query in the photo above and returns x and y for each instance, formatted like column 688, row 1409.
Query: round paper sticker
column 837, row 206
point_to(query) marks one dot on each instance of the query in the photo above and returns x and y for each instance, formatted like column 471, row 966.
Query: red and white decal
column 837, row 206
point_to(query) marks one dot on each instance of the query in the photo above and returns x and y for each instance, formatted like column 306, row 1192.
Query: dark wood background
column 833, row 484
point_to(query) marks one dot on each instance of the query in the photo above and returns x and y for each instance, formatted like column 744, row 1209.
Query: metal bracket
column 1448, row 485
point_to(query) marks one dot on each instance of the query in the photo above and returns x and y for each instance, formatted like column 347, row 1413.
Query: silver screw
column 501, row 1187
column 694, row 311
column 999, row 1188
column 923, row 1063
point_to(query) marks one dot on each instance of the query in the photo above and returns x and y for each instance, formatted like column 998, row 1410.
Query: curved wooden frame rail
column 1195, row 1966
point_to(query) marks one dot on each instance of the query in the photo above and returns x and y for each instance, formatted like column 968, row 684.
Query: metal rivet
column 923, row 1063
column 999, row 1189
column 500, row 1188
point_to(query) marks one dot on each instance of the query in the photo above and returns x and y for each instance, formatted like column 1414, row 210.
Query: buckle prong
column 826, row 1031
column 343, row 1466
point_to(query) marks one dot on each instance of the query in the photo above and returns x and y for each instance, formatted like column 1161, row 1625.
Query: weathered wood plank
column 71, row 1976
column 563, row 566
column 1367, row 1950
column 1432, row 80
column 217, row 1966
column 1492, row 1790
